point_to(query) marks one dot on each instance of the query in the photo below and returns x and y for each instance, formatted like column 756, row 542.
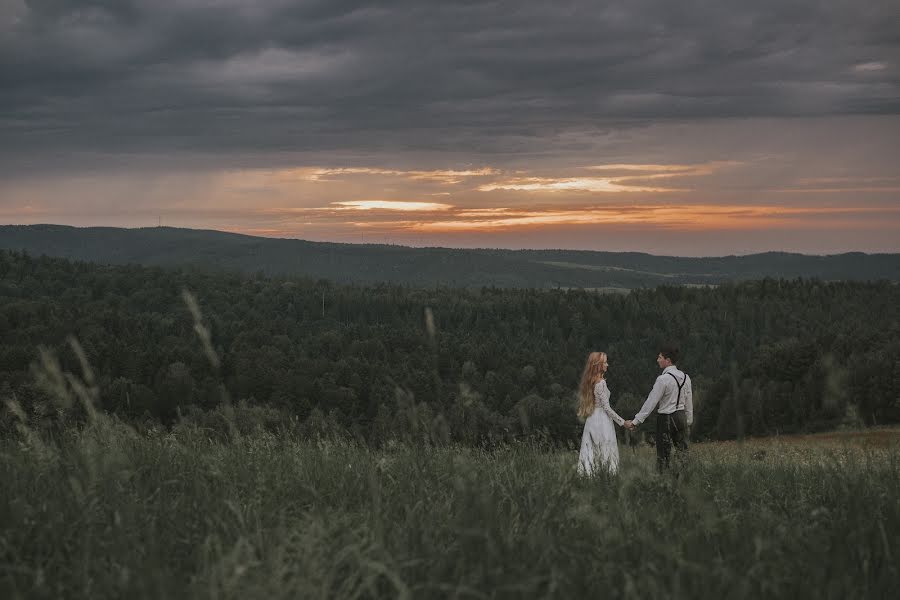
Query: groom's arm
column 651, row 402
column 689, row 402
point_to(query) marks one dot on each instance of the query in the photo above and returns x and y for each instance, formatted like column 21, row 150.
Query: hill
column 369, row 263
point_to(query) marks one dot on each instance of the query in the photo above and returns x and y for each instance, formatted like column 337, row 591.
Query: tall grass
column 102, row 511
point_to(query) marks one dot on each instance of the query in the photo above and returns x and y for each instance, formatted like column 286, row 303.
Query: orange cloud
column 640, row 167
column 583, row 184
column 630, row 181
column 648, row 171
column 437, row 217
column 391, row 205
column 439, row 176
column 564, row 195
column 839, row 190
column 689, row 217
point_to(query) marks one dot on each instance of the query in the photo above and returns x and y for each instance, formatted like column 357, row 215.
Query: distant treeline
column 427, row 267
column 465, row 365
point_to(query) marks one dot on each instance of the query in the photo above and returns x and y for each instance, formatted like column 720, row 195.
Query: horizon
column 474, row 248
column 710, row 130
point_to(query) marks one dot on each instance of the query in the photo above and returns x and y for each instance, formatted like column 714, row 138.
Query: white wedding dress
column 599, row 450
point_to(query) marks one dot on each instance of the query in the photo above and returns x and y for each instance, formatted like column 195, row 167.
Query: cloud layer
column 343, row 77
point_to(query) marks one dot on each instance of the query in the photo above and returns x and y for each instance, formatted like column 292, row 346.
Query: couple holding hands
column 671, row 396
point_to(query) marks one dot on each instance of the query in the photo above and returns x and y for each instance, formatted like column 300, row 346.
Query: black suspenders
column 680, row 385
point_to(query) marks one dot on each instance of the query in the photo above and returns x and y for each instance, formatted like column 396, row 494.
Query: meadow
column 103, row 510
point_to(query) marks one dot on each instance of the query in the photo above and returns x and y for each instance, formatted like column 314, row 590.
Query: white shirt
column 664, row 395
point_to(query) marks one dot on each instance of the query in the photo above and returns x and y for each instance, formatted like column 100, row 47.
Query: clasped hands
column 629, row 425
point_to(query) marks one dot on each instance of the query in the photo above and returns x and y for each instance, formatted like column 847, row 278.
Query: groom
column 672, row 397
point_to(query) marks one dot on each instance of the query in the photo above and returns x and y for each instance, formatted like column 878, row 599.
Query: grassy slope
column 111, row 513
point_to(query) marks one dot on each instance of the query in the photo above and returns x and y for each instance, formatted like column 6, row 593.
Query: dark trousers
column 671, row 430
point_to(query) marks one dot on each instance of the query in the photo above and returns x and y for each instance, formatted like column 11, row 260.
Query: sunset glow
column 685, row 218
column 484, row 201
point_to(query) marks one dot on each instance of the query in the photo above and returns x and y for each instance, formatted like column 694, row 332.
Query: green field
column 106, row 512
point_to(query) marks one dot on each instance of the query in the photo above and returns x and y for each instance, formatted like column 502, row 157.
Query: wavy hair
column 593, row 372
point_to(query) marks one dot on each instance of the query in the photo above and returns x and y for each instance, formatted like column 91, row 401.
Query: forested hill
column 467, row 365
column 365, row 263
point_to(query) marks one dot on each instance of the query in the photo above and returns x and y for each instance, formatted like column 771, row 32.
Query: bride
column 599, row 450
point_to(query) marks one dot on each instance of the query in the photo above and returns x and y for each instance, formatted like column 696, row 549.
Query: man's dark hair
column 670, row 352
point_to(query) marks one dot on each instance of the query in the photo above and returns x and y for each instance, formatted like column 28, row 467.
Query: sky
column 681, row 128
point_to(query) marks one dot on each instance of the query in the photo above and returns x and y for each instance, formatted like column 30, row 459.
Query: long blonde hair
column 589, row 377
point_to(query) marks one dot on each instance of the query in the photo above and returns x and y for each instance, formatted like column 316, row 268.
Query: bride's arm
column 601, row 393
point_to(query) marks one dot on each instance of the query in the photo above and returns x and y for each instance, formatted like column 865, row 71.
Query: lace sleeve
column 601, row 397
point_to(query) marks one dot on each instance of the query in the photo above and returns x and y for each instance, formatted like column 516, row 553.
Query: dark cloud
column 244, row 77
